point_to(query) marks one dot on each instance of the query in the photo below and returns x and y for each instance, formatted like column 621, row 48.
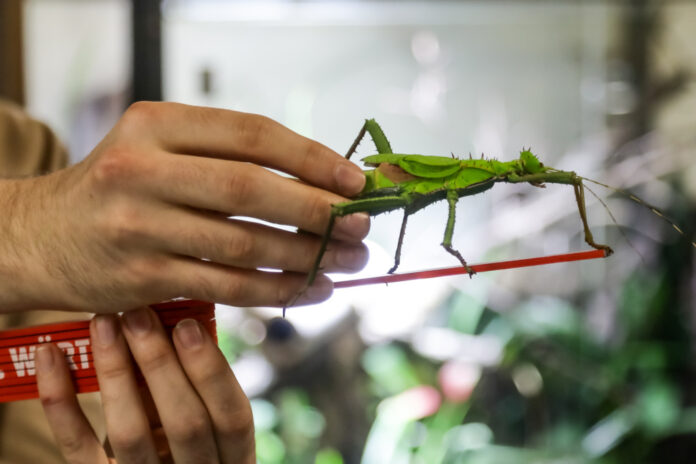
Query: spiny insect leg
column 616, row 223
column 317, row 262
column 397, row 255
column 369, row 205
column 452, row 198
column 580, row 200
column 357, row 141
column 380, row 140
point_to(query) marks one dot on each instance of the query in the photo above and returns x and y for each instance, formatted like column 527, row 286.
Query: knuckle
column 156, row 358
column 236, row 424
column 143, row 117
column 193, row 428
column 201, row 287
column 234, row 289
column 231, row 289
column 210, row 373
column 317, row 211
column 109, row 371
column 70, row 443
column 143, row 111
column 238, row 188
column 52, row 399
column 254, row 130
column 123, row 224
column 146, row 276
column 128, row 440
column 315, row 154
column 116, row 165
column 242, row 247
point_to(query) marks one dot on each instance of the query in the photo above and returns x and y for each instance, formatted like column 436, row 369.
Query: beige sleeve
column 27, row 148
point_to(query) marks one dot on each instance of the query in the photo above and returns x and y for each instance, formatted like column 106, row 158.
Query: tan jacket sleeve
column 27, row 148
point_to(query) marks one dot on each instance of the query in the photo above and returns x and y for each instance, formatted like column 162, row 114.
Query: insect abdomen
column 495, row 167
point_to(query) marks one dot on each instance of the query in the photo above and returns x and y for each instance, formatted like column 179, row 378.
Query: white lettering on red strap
column 82, row 345
column 23, row 361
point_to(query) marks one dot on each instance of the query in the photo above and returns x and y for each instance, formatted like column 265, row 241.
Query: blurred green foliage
column 560, row 393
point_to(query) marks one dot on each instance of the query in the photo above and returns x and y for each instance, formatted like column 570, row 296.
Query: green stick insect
column 413, row 182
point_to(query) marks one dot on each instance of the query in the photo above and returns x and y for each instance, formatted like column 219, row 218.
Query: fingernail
column 352, row 227
column 350, row 180
column 189, row 333
column 320, row 290
column 44, row 358
column 352, row 258
column 106, row 329
column 138, row 321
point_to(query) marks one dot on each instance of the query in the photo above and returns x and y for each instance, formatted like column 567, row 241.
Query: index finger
column 233, row 135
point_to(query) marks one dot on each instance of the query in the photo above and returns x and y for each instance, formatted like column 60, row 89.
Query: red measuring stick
column 485, row 267
column 17, row 348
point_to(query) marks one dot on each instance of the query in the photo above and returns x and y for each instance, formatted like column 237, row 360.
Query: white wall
column 77, row 61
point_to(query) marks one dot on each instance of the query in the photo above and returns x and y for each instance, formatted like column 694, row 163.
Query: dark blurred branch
column 643, row 20
column 147, row 50
column 12, row 73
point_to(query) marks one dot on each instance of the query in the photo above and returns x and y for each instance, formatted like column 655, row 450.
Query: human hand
column 196, row 412
column 144, row 217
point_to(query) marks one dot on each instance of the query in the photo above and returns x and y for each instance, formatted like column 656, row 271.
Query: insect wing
column 431, row 167
column 376, row 160
column 468, row 176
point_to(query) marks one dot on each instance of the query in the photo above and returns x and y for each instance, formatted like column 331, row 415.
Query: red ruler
column 17, row 347
column 484, row 267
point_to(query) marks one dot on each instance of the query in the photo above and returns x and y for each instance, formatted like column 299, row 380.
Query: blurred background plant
column 581, row 363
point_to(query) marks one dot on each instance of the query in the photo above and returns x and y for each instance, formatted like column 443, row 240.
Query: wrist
column 12, row 250
column 23, row 282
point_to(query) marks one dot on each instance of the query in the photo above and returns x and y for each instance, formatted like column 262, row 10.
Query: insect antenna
column 643, row 203
column 616, row 223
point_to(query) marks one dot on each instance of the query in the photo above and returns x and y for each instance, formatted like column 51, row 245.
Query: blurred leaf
column 328, row 456
column 468, row 437
column 465, row 313
column 542, row 316
column 658, row 407
column 269, row 448
column 300, row 425
column 230, row 345
column 608, row 432
column 390, row 369
column 640, row 302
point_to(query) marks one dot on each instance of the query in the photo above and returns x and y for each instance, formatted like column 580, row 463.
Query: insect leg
column 397, row 255
column 452, row 198
column 377, row 135
column 372, row 206
column 580, row 199
column 322, row 249
column 317, row 262
column 357, row 141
